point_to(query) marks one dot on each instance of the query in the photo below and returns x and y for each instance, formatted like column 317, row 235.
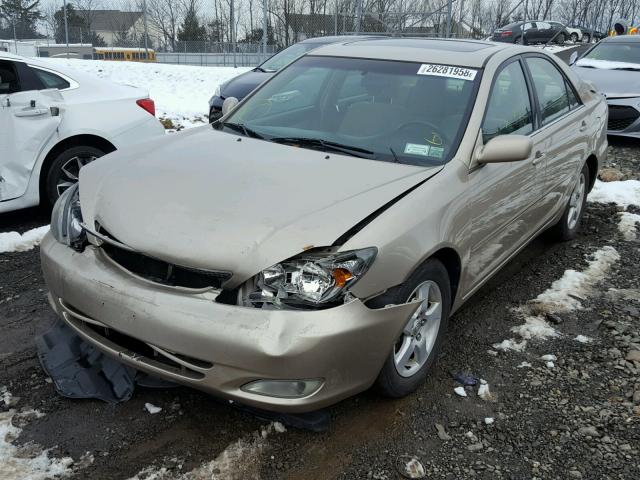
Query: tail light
column 148, row 105
column 506, row 33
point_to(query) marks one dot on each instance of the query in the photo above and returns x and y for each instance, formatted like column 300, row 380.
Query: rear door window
column 9, row 82
column 509, row 108
column 550, row 87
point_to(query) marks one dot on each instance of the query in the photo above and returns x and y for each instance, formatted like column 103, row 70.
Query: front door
column 503, row 197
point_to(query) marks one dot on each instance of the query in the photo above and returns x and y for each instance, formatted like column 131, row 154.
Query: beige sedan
column 315, row 240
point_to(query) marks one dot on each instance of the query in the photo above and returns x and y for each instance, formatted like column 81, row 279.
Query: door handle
column 32, row 112
column 538, row 157
column 583, row 126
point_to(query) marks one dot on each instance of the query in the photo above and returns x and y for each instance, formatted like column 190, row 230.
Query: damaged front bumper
column 191, row 339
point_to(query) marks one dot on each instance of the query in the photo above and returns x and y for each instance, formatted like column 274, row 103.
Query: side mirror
column 573, row 58
column 505, row 148
column 229, row 104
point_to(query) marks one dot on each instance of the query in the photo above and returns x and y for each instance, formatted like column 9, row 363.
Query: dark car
column 531, row 31
column 240, row 86
column 588, row 34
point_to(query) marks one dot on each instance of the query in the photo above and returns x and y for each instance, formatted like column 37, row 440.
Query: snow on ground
column 28, row 462
column 564, row 295
column 181, row 92
column 15, row 242
column 239, row 461
column 628, row 225
column 623, row 193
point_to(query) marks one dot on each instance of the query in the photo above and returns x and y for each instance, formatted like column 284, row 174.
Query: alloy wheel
column 421, row 331
column 70, row 171
column 576, row 202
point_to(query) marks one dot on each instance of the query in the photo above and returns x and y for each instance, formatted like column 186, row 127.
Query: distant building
column 117, row 28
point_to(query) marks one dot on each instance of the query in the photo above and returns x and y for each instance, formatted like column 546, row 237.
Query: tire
column 586, row 38
column 64, row 168
column 519, row 40
column 574, row 37
column 560, row 39
column 427, row 332
column 569, row 224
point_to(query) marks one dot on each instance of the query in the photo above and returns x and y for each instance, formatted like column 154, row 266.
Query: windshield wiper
column 324, row 145
column 259, row 69
column 242, row 128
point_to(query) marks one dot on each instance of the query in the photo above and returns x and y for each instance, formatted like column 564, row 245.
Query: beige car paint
column 245, row 204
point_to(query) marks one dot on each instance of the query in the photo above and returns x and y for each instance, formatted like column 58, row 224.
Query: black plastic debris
column 465, row 378
column 318, row 421
column 79, row 370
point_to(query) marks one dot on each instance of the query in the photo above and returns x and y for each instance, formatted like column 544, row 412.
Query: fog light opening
column 283, row 388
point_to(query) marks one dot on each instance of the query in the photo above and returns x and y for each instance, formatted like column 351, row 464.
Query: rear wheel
column 65, row 169
column 416, row 349
column 586, row 38
column 568, row 226
column 519, row 40
column 574, row 37
column 561, row 38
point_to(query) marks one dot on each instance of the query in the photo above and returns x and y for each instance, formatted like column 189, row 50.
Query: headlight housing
column 66, row 219
column 312, row 279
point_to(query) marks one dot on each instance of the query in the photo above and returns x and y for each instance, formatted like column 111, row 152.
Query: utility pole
column 146, row 32
column 265, row 26
column 66, row 27
column 15, row 37
column 233, row 33
column 449, row 3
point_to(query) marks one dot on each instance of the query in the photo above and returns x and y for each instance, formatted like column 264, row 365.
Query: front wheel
column 65, row 169
column 586, row 38
column 569, row 224
column 416, row 349
column 574, row 37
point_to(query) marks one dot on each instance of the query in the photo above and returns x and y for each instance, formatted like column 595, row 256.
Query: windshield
column 288, row 55
column 385, row 110
column 616, row 52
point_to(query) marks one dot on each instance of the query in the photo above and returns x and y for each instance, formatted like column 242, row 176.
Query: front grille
column 621, row 116
column 159, row 271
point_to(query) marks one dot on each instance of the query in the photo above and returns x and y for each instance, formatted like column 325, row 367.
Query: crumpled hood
column 613, row 83
column 213, row 200
column 244, row 84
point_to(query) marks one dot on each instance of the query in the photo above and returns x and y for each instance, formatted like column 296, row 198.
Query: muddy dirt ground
column 580, row 419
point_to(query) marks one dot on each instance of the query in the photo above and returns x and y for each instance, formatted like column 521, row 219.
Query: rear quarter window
column 51, row 80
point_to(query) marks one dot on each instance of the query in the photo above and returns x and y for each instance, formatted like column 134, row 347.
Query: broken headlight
column 66, row 219
column 312, row 278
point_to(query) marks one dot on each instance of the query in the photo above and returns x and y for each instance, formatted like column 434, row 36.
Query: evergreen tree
column 79, row 30
column 191, row 30
column 23, row 15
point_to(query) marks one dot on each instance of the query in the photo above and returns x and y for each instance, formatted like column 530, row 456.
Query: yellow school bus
column 124, row 54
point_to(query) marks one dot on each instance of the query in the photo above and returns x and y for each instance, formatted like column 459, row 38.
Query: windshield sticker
column 436, row 152
column 447, row 71
column 416, row 149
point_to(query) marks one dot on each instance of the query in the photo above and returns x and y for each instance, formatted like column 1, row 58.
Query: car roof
column 622, row 39
column 471, row 53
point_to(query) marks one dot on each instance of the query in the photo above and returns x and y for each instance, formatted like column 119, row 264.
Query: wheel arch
column 75, row 141
column 452, row 262
column 592, row 164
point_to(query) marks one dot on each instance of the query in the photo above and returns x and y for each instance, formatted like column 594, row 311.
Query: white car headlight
column 66, row 219
column 312, row 278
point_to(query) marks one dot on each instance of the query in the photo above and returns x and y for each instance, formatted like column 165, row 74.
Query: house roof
column 110, row 20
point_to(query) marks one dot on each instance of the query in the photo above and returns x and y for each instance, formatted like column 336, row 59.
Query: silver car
column 613, row 67
column 315, row 240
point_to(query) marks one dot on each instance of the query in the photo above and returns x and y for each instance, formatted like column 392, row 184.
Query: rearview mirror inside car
column 505, row 148
column 229, row 104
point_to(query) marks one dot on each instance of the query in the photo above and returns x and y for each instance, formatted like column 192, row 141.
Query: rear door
column 27, row 123
column 530, row 32
column 563, row 119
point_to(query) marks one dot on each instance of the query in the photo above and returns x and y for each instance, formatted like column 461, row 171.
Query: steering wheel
column 431, row 135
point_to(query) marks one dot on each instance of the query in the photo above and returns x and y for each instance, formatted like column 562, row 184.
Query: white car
column 54, row 120
column 575, row 34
